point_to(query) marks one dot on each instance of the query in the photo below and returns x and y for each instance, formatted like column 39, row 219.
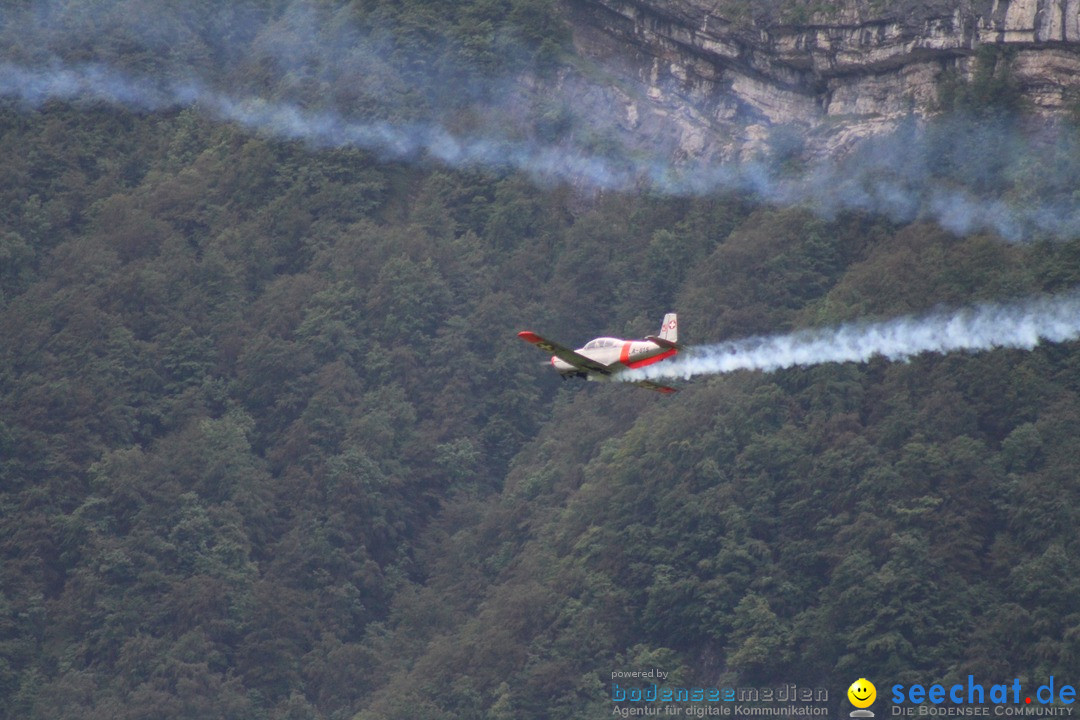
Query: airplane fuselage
column 616, row 354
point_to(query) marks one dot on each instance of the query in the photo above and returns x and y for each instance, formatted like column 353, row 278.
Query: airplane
column 605, row 357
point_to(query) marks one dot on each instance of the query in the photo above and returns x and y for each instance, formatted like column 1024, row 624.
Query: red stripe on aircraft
column 654, row 359
column 624, row 354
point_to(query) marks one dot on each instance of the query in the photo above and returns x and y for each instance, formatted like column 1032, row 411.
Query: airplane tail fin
column 670, row 329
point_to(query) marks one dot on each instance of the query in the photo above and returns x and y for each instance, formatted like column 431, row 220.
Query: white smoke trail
column 888, row 176
column 332, row 67
column 984, row 327
column 287, row 121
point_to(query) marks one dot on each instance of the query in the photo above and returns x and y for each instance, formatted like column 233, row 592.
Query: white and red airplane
column 605, row 357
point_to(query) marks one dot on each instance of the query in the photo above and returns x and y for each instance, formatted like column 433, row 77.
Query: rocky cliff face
column 719, row 77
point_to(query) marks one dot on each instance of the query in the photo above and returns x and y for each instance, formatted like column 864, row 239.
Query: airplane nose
column 553, row 361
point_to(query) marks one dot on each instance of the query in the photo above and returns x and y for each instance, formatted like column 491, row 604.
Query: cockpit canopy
column 602, row 343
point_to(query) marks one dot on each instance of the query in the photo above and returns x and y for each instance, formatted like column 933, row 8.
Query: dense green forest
column 269, row 447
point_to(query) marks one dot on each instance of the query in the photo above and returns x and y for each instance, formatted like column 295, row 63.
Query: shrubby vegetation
column 269, row 447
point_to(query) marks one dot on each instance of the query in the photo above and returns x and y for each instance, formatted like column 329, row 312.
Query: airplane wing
column 564, row 353
column 649, row 385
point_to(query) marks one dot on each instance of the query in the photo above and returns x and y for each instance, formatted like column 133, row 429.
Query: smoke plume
column 984, row 327
column 313, row 73
column 288, row 121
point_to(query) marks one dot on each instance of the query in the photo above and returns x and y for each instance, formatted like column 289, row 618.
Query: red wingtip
column 529, row 336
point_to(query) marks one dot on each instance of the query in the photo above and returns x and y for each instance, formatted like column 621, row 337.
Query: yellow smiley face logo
column 862, row 693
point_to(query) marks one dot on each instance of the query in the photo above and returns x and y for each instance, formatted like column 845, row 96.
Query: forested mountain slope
column 269, row 446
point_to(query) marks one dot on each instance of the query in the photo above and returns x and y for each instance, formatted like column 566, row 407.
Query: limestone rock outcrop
column 718, row 77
